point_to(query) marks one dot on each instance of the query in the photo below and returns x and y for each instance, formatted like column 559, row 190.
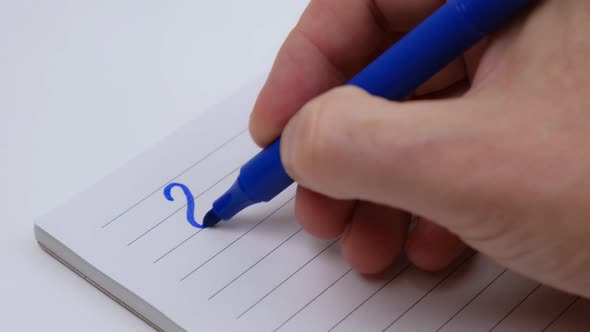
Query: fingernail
column 288, row 145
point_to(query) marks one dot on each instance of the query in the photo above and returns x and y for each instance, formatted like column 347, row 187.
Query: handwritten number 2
column 190, row 211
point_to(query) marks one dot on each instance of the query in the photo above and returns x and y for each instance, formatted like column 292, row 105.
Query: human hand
column 492, row 152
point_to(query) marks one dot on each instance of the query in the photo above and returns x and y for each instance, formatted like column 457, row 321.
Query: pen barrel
column 488, row 15
column 441, row 38
column 264, row 176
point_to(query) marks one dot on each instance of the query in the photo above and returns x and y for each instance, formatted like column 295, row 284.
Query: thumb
column 347, row 144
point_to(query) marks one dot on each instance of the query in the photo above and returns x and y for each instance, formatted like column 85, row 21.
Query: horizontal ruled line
column 236, row 240
column 284, row 281
column 253, row 265
column 182, row 207
column 174, row 178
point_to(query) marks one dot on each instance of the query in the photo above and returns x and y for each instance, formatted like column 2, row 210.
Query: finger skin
column 384, row 151
column 333, row 40
column 321, row 216
column 511, row 181
column 432, row 247
column 505, row 168
column 374, row 238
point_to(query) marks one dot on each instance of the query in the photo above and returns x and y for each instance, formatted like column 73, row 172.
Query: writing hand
column 500, row 163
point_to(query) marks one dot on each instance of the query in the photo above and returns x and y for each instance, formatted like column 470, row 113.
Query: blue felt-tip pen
column 448, row 33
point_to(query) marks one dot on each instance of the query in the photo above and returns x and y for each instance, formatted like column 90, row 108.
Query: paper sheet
column 261, row 272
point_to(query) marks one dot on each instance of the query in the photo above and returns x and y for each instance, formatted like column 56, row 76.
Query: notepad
column 261, row 272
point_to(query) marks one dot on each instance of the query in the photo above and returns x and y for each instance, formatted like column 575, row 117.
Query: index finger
column 333, row 40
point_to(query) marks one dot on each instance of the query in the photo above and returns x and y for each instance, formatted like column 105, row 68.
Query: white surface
column 85, row 86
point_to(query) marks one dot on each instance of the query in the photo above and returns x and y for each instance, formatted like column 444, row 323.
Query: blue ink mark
column 190, row 212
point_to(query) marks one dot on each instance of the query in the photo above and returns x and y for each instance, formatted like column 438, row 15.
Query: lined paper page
column 261, row 272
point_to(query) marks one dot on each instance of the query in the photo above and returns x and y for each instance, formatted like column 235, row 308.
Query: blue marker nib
column 211, row 219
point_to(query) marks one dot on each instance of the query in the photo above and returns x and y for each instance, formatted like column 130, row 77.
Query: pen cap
column 487, row 15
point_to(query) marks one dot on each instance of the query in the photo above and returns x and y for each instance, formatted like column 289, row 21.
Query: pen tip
column 211, row 219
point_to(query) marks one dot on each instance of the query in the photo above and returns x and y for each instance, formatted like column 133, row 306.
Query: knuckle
column 322, row 127
column 315, row 121
column 310, row 137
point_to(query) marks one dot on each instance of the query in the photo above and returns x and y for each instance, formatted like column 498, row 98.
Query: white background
column 85, row 85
